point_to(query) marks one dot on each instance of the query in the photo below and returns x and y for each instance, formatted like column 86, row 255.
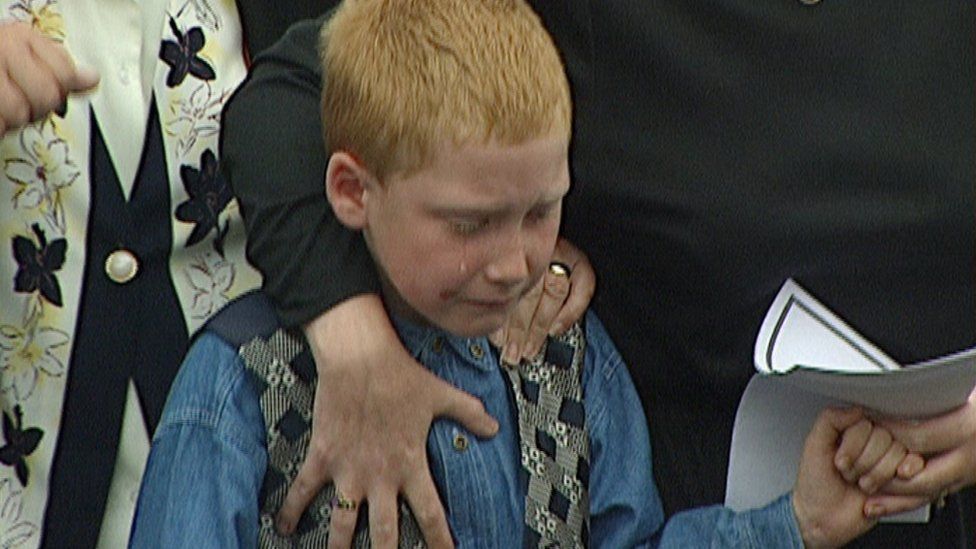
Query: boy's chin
column 477, row 326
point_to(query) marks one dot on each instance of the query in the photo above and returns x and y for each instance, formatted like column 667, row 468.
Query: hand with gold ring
column 553, row 305
column 342, row 503
column 372, row 412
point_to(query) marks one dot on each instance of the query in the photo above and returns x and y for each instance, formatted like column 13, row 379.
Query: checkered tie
column 554, row 444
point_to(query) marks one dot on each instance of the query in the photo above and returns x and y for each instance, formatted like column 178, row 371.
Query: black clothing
column 276, row 164
column 720, row 147
column 265, row 22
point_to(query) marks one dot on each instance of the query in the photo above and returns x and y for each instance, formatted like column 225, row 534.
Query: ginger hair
column 403, row 77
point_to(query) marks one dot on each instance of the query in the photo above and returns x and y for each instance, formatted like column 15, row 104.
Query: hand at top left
column 36, row 76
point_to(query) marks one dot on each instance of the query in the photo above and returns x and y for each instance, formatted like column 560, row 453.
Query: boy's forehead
column 486, row 168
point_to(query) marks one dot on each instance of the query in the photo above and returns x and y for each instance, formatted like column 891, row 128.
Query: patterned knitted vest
column 553, row 439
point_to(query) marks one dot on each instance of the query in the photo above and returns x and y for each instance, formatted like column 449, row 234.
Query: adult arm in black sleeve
column 273, row 155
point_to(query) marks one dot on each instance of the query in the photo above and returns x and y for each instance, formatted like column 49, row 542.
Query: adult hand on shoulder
column 36, row 76
column 949, row 444
column 553, row 305
column 373, row 409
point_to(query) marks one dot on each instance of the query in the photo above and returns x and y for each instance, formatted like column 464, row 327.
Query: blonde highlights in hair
column 404, row 76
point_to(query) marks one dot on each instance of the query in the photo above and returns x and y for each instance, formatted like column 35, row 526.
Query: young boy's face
column 463, row 239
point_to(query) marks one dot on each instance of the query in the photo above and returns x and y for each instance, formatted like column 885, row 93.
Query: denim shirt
column 208, row 458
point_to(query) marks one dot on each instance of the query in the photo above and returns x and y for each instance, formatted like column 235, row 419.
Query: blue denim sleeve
column 208, row 457
column 625, row 507
column 716, row 526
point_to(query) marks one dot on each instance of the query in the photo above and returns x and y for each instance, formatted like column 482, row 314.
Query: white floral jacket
column 191, row 59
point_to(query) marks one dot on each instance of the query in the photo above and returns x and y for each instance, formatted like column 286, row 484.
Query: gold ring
column 558, row 268
column 340, row 501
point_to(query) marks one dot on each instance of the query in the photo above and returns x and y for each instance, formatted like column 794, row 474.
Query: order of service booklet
column 807, row 358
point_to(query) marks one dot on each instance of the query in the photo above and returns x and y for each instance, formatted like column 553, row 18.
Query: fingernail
column 873, row 510
column 88, row 75
column 511, row 354
column 909, row 468
column 843, row 464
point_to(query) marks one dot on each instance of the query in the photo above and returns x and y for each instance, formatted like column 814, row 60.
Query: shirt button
column 121, row 266
column 476, row 351
column 124, row 76
column 460, row 442
column 438, row 344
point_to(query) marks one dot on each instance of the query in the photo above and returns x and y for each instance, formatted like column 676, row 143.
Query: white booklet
column 807, row 358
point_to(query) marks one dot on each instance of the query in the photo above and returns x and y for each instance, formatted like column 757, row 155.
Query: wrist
column 811, row 530
column 350, row 334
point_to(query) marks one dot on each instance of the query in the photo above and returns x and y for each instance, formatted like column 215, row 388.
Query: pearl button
column 121, row 266
column 124, row 76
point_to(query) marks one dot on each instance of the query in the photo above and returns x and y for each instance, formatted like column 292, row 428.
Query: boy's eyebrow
column 467, row 211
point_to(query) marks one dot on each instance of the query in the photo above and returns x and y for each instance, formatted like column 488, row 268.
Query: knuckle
column 304, row 487
column 556, row 286
column 383, row 531
column 414, row 454
column 536, row 335
column 476, row 407
column 427, row 515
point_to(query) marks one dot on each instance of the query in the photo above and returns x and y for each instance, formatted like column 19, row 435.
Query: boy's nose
column 510, row 266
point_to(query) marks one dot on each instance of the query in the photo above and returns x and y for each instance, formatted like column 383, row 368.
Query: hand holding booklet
column 807, row 358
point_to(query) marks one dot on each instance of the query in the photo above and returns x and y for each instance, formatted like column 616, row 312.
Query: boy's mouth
column 492, row 304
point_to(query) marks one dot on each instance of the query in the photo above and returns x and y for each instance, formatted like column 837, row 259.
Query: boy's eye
column 468, row 227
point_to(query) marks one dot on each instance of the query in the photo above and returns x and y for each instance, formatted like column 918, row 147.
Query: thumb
column 451, row 402
column 84, row 79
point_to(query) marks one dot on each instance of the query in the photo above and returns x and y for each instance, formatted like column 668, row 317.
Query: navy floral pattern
column 209, row 195
column 38, row 263
column 20, row 443
column 182, row 55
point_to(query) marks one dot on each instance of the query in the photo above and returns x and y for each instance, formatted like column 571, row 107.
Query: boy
column 448, row 134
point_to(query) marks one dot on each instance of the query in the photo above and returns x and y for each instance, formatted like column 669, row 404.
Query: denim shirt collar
column 425, row 342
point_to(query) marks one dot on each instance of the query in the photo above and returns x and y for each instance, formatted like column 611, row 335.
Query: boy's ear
column 346, row 181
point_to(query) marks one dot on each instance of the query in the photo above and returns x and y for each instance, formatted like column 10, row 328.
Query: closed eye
column 468, row 227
